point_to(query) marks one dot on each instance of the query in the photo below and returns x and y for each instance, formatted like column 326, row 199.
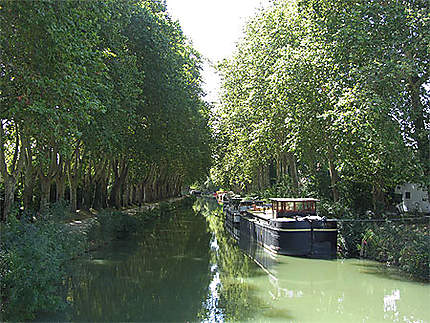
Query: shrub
column 401, row 244
column 35, row 248
column 31, row 265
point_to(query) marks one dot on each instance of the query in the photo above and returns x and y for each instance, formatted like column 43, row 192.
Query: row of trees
column 100, row 104
column 329, row 92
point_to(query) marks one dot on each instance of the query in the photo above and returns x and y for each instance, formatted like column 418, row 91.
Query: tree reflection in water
column 187, row 267
column 159, row 275
column 183, row 267
column 231, row 295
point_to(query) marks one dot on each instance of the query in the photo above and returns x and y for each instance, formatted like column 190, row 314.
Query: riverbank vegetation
column 330, row 99
column 32, row 260
column 101, row 105
column 404, row 244
column 34, row 254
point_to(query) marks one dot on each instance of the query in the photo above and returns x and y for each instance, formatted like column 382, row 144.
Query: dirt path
column 85, row 224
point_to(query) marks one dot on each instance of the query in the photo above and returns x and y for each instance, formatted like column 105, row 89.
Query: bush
column 401, row 244
column 35, row 248
column 32, row 265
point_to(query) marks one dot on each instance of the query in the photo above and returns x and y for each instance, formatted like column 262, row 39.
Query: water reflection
column 186, row 267
column 231, row 290
column 311, row 290
column 160, row 276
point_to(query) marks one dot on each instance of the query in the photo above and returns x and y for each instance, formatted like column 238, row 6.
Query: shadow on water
column 382, row 271
column 158, row 275
column 188, row 267
column 184, row 267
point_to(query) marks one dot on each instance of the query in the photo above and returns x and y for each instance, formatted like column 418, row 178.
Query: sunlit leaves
column 89, row 81
column 328, row 81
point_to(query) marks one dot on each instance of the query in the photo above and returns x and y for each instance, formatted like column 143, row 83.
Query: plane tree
column 97, row 97
column 326, row 85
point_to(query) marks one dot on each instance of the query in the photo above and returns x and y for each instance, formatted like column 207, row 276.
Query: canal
column 186, row 267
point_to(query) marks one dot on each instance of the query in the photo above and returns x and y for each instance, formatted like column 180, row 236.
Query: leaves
column 102, row 80
column 330, row 83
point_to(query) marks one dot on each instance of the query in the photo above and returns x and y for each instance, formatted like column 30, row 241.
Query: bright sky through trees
column 214, row 27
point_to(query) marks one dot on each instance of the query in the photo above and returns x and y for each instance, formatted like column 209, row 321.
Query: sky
column 213, row 27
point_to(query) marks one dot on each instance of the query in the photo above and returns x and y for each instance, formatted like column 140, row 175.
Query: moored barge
column 290, row 227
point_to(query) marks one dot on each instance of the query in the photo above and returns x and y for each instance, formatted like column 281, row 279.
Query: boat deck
column 267, row 216
column 264, row 215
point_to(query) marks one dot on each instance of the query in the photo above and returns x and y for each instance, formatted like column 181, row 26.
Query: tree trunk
column 115, row 195
column 100, row 185
column 28, row 190
column 98, row 194
column 177, row 187
column 140, row 196
column 60, row 186
column 9, row 194
column 88, row 196
column 45, row 192
column 73, row 184
column 120, row 170
column 145, row 193
column 293, row 172
column 10, row 170
column 125, row 194
column 132, row 196
column 334, row 176
column 29, row 175
column 88, row 191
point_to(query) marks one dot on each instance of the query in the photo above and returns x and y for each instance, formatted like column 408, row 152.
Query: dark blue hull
column 305, row 238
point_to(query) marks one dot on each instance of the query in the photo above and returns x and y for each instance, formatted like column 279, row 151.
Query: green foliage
column 329, row 85
column 34, row 252
column 401, row 244
column 102, row 89
column 32, row 265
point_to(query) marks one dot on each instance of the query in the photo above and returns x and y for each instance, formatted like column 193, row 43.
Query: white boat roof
column 287, row 199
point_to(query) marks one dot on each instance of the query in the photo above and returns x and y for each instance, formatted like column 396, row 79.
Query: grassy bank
column 34, row 252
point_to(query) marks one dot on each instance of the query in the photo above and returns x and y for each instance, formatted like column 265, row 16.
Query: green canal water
column 187, row 268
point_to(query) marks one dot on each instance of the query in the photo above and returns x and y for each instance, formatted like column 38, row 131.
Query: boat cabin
column 289, row 207
column 235, row 202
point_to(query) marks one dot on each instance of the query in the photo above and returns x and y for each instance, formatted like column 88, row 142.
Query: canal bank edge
column 34, row 252
column 104, row 226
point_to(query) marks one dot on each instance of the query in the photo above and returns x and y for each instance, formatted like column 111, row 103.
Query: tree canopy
column 332, row 95
column 101, row 103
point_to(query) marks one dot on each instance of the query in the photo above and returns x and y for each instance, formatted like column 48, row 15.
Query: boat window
column 304, row 206
column 407, row 195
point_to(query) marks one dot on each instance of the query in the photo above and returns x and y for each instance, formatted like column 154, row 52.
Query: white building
column 414, row 198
